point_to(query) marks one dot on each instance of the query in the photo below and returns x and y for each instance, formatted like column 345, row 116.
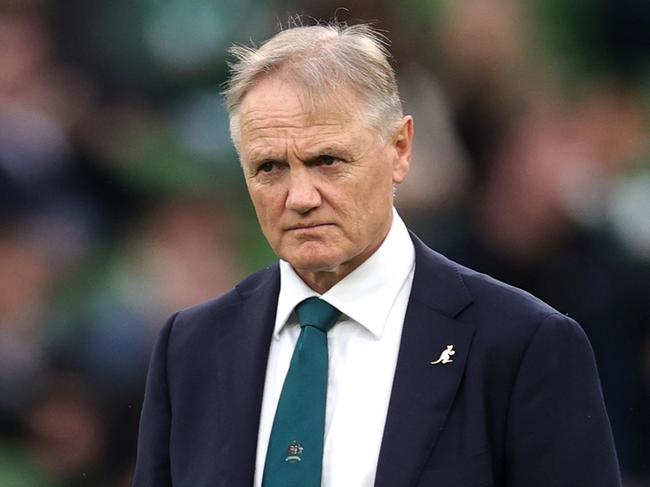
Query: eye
column 267, row 166
column 327, row 160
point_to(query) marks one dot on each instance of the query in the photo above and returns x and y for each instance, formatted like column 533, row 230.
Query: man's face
column 321, row 180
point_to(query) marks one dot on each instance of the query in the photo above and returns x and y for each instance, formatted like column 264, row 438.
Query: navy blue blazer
column 519, row 406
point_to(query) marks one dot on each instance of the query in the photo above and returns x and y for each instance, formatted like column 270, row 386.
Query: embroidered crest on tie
column 294, row 457
column 445, row 356
column 295, row 452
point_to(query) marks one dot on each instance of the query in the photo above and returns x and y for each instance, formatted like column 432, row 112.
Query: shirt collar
column 366, row 295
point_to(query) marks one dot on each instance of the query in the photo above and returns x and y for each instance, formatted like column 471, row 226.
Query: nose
column 303, row 196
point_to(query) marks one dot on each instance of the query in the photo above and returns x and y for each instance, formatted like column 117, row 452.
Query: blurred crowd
column 121, row 199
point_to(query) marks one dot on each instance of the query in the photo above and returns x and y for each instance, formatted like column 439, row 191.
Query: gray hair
column 321, row 58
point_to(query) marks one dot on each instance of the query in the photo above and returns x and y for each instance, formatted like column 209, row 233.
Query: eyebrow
column 260, row 156
column 332, row 150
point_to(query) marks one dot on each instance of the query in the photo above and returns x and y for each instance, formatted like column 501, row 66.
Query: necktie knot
column 317, row 313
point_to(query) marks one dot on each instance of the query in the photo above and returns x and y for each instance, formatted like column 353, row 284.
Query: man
column 430, row 373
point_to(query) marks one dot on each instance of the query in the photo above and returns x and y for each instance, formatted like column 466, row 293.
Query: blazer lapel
column 242, row 365
column 423, row 393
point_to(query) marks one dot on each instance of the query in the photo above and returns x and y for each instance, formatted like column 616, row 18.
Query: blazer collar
column 241, row 369
column 423, row 393
column 437, row 282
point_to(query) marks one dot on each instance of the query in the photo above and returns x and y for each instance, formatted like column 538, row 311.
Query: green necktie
column 294, row 457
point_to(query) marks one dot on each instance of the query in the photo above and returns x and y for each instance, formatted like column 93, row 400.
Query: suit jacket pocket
column 472, row 471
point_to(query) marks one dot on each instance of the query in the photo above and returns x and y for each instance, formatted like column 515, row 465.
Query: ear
column 402, row 144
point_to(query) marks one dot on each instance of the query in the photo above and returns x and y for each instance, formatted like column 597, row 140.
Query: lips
column 307, row 226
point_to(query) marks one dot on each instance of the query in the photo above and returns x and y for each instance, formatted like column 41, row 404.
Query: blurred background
column 121, row 198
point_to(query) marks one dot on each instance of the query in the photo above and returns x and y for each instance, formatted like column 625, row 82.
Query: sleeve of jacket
column 558, row 432
column 153, row 466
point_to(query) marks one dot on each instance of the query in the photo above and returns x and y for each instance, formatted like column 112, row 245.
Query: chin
column 313, row 264
column 314, row 260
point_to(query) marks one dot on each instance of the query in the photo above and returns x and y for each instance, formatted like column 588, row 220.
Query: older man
column 362, row 358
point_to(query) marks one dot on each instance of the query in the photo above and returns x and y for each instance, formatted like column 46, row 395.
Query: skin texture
column 321, row 180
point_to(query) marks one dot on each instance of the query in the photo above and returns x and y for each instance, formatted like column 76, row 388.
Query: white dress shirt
column 363, row 349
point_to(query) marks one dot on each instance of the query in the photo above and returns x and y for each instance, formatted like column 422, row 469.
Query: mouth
column 307, row 226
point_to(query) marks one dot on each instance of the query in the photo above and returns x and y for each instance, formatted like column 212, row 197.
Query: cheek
column 374, row 200
column 364, row 209
column 263, row 204
column 268, row 207
column 374, row 191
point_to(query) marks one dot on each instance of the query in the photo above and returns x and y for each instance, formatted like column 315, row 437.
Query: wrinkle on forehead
column 274, row 113
column 293, row 106
column 257, row 123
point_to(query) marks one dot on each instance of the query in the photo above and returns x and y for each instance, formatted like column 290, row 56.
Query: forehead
column 276, row 108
